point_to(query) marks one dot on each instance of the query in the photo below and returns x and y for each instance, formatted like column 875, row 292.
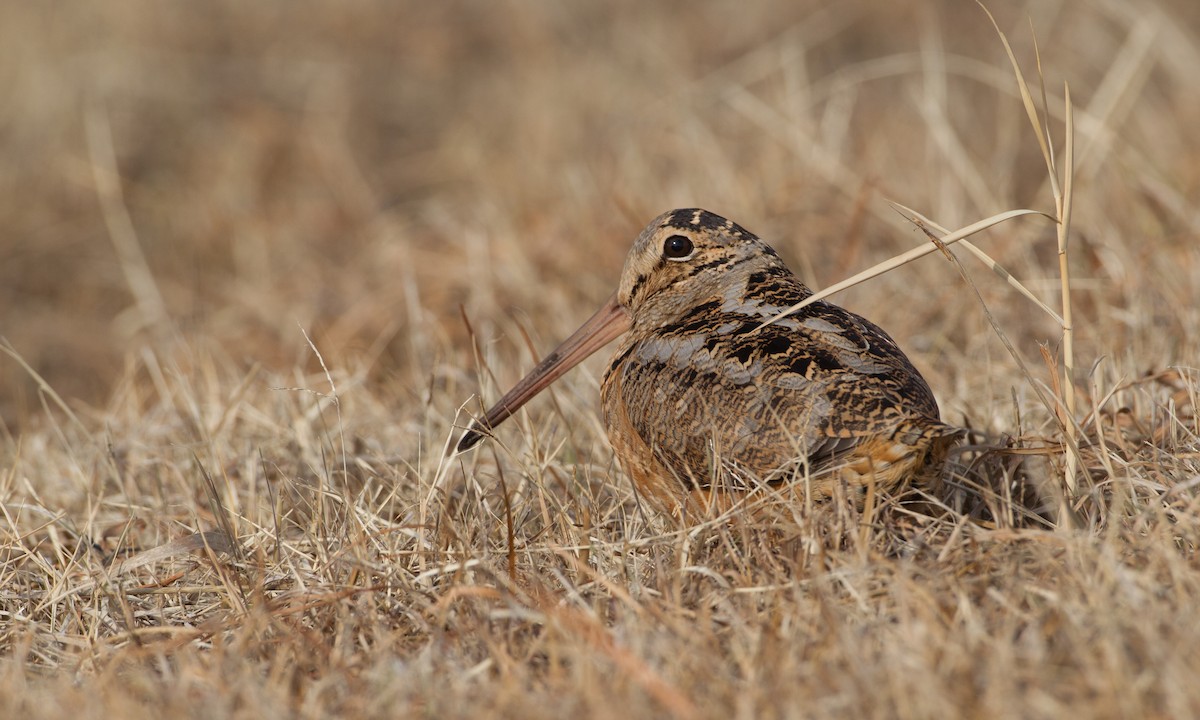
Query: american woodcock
column 701, row 398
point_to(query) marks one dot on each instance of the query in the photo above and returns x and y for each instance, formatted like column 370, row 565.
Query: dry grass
column 203, row 515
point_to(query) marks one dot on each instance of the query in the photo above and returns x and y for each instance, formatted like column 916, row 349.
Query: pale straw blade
column 902, row 259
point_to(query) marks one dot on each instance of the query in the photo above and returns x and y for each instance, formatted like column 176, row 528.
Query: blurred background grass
column 364, row 169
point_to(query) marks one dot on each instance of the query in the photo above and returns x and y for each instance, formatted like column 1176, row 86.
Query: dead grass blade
column 43, row 386
column 216, row 540
column 151, row 306
column 219, row 511
column 924, row 222
column 1028, row 103
column 1062, row 203
column 903, row 259
column 1065, row 203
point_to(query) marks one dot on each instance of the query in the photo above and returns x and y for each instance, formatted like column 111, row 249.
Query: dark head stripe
column 697, row 219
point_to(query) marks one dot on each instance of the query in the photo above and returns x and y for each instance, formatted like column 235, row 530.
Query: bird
column 703, row 402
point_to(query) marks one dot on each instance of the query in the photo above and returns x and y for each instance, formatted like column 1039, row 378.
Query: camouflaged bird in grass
column 703, row 403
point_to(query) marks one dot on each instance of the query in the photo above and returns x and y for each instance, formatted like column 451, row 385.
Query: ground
column 262, row 262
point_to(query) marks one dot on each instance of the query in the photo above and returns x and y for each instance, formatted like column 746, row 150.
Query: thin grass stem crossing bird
column 702, row 401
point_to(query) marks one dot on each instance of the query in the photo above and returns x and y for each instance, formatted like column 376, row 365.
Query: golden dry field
column 260, row 263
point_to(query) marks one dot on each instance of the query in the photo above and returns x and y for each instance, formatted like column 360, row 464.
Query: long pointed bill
column 609, row 321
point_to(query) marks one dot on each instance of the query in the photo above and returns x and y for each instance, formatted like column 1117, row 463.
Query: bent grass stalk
column 1064, row 407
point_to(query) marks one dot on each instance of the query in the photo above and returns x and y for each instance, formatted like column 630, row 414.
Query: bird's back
column 712, row 397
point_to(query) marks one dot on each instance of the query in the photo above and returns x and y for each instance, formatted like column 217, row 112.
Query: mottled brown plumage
column 701, row 398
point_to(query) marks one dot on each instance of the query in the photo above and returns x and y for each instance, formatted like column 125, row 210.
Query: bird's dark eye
column 677, row 246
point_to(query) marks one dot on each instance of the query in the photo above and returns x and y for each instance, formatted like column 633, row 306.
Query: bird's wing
column 722, row 392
